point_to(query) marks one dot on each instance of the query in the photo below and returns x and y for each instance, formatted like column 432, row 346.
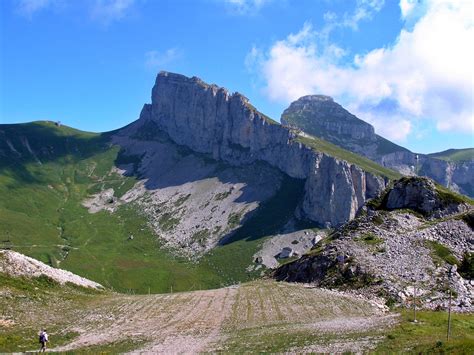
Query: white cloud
column 103, row 11
column 406, row 7
column 246, row 7
column 156, row 60
column 107, row 11
column 426, row 74
column 28, row 8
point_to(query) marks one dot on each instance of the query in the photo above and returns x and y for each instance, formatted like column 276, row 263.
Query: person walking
column 43, row 339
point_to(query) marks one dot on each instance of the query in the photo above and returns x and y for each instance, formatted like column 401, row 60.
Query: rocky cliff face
column 208, row 119
column 320, row 116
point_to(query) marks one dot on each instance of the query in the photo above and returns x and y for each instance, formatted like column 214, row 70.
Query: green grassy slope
column 335, row 151
column 455, row 155
column 315, row 127
column 41, row 216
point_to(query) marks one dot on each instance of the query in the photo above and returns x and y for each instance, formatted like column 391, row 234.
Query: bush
column 466, row 269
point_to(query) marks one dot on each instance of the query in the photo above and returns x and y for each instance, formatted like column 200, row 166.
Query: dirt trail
column 201, row 321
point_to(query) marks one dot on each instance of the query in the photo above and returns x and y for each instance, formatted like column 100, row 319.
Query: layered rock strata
column 208, row 119
column 322, row 117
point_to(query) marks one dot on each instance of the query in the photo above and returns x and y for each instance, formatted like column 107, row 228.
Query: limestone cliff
column 320, row 116
column 208, row 119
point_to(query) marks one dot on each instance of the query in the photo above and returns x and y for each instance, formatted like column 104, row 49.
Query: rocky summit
column 321, row 116
column 208, row 119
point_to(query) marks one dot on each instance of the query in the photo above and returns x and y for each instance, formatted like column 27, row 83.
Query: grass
column 441, row 254
column 466, row 268
column 455, row 155
column 167, row 222
column 335, row 151
column 35, row 303
column 370, row 239
column 264, row 316
column 41, row 216
column 317, row 129
column 429, row 334
column 448, row 196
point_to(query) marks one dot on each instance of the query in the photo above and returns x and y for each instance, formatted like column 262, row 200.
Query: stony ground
column 391, row 253
column 258, row 315
column 190, row 201
column 209, row 320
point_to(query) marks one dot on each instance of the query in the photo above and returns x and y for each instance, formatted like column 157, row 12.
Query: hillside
column 455, row 155
column 183, row 198
column 320, row 116
column 416, row 234
column 48, row 172
column 261, row 316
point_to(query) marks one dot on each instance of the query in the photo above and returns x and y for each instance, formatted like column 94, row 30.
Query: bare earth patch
column 215, row 320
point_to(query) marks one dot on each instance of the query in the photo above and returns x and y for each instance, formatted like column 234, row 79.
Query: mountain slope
column 455, row 155
column 182, row 198
column 208, row 119
column 320, row 116
column 416, row 234
column 43, row 188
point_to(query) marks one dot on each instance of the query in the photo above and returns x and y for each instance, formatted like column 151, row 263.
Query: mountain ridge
column 322, row 117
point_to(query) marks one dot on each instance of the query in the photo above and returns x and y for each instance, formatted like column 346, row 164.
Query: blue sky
column 405, row 66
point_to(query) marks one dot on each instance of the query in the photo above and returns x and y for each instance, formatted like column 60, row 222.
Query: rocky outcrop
column 422, row 195
column 389, row 253
column 208, row 119
column 321, row 117
column 332, row 119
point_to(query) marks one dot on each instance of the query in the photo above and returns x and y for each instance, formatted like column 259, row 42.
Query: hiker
column 43, row 339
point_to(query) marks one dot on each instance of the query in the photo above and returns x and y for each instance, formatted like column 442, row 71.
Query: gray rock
column 321, row 117
column 207, row 119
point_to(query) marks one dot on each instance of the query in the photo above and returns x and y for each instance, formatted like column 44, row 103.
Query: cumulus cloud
column 157, row 60
column 426, row 74
column 107, row 11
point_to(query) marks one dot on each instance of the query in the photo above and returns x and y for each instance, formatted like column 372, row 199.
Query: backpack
column 41, row 338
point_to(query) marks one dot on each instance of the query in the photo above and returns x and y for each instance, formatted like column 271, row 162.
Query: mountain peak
column 316, row 98
column 321, row 116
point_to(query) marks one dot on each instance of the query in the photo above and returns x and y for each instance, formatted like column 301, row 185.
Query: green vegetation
column 27, row 304
column 201, row 236
column 429, row 334
column 385, row 146
column 445, row 195
column 370, row 239
column 317, row 128
column 265, row 117
column 234, row 219
column 466, row 269
column 182, row 199
column 441, row 254
column 167, row 222
column 448, row 196
column 222, row 195
column 455, row 155
column 235, row 253
column 335, row 151
column 468, row 218
column 41, row 215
